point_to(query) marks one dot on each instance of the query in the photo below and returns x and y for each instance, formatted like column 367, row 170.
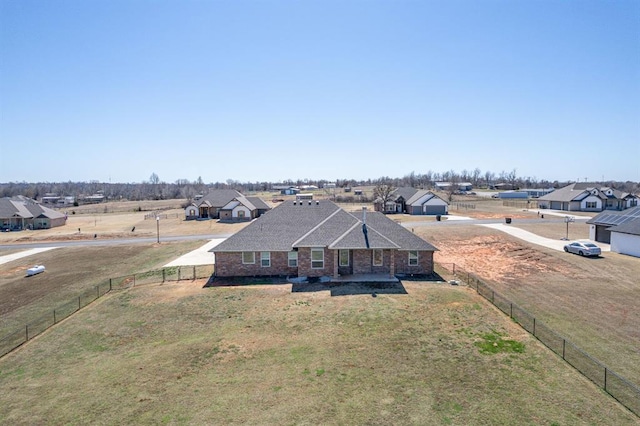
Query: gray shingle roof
column 218, row 197
column 320, row 224
column 279, row 228
column 25, row 209
column 566, row 193
column 398, row 234
column 405, row 192
column 258, row 203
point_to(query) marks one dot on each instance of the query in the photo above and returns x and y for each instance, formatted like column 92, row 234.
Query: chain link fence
column 621, row 389
column 178, row 273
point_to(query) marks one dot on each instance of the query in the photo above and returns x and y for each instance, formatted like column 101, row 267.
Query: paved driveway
column 199, row 256
column 536, row 239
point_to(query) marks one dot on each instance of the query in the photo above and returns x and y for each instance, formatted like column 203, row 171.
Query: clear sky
column 115, row 90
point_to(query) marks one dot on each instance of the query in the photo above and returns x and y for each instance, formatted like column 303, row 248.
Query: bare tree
column 382, row 192
column 454, row 185
column 476, row 176
column 154, row 179
column 511, row 177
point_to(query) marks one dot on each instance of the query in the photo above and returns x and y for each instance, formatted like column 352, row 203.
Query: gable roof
column 405, row 193
column 26, row 209
column 566, row 193
column 321, row 224
column 218, row 198
column 579, row 190
column 258, row 203
column 421, row 194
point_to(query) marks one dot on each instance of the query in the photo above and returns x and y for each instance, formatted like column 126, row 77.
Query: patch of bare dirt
column 497, row 259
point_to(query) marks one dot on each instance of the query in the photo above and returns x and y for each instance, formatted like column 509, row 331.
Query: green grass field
column 183, row 354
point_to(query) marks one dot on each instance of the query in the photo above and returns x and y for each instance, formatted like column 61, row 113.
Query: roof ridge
column 368, row 228
column 345, row 233
column 316, row 227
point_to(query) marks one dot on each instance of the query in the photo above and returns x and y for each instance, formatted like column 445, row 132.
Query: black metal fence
column 178, row 273
column 625, row 392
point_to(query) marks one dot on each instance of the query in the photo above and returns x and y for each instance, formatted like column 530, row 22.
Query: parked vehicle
column 583, row 249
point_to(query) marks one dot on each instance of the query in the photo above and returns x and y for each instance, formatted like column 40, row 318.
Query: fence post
column 134, row 280
column 27, row 331
column 605, row 379
column 98, row 292
column 54, row 316
column 564, row 343
column 179, row 269
column 194, row 273
column 110, row 288
column 511, row 310
column 454, row 269
column 534, row 326
column 493, row 296
column 163, row 274
column 79, row 302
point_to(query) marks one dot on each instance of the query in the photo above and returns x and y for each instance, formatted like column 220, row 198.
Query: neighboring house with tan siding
column 19, row 214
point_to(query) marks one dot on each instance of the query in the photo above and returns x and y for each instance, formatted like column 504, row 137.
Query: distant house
column 413, row 201
column 19, row 214
column 619, row 228
column 235, row 206
column 319, row 239
column 587, row 197
column 243, row 208
column 290, row 191
column 460, row 186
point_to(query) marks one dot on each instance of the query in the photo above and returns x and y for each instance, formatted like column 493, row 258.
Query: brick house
column 319, row 239
column 412, row 201
column 226, row 204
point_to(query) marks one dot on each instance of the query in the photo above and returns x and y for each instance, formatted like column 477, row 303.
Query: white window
column 293, row 259
column 240, row 213
column 248, row 257
column 377, row 257
column 592, row 205
column 413, row 258
column 265, row 259
column 317, row 258
column 344, row 257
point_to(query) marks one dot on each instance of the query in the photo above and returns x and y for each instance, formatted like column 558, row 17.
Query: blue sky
column 269, row 90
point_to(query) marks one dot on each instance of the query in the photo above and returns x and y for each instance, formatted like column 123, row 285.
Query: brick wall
column 425, row 263
column 230, row 265
column 304, row 263
column 363, row 262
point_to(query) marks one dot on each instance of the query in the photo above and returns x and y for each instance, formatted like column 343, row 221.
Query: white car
column 583, row 249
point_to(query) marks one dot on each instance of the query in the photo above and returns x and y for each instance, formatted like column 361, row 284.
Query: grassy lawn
column 71, row 271
column 181, row 354
column 595, row 303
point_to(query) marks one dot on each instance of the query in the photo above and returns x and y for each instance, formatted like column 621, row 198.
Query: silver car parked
column 583, row 249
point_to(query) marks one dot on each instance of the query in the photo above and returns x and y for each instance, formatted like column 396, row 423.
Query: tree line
column 156, row 189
